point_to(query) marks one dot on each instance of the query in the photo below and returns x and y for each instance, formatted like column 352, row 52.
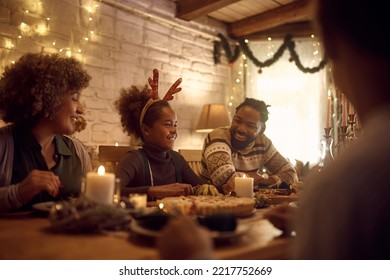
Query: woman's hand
column 182, row 238
column 39, row 180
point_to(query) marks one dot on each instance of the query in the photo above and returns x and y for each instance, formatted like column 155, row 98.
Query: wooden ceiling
column 252, row 19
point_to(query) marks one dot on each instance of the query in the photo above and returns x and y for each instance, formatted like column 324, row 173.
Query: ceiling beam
column 192, row 9
column 297, row 30
column 294, row 12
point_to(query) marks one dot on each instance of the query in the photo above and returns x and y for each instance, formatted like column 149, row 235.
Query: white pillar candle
column 243, row 186
column 100, row 186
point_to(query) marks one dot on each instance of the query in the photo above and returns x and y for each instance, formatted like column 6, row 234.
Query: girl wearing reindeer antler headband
column 154, row 169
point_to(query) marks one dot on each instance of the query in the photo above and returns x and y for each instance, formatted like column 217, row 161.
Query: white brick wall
column 124, row 49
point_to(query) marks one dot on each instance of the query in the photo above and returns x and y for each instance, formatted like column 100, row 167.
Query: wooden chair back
column 193, row 157
column 110, row 155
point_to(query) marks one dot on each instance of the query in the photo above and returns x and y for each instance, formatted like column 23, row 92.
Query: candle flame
column 116, row 144
column 244, row 176
column 101, row 170
column 161, row 205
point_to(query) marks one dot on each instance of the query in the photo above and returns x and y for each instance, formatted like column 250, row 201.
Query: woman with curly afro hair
column 39, row 99
column 154, row 169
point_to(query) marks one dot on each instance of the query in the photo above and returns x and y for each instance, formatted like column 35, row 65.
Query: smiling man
column 242, row 148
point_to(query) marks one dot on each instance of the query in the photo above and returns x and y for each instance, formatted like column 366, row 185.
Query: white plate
column 43, row 206
column 216, row 235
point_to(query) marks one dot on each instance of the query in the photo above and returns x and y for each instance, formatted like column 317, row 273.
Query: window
column 298, row 100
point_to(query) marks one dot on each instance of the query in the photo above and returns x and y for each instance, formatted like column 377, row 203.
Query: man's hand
column 281, row 217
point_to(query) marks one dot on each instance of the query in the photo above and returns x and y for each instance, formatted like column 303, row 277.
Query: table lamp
column 213, row 116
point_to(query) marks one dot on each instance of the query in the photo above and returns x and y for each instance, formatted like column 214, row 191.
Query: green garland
column 287, row 44
column 231, row 58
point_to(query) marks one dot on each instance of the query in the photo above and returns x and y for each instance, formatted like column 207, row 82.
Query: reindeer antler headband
column 153, row 92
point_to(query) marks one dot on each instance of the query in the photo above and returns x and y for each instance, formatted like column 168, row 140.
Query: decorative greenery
column 243, row 46
column 81, row 215
column 225, row 44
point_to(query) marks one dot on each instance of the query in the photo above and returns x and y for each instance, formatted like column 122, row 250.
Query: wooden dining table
column 24, row 236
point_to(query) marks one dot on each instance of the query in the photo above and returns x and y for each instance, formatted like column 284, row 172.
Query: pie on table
column 207, row 205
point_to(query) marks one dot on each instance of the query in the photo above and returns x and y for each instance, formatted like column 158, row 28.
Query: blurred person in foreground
column 243, row 148
column 39, row 162
column 343, row 214
column 154, row 169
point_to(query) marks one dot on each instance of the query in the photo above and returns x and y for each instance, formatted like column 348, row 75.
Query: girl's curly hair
column 129, row 106
column 33, row 87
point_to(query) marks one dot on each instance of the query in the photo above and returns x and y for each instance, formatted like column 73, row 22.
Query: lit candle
column 243, row 186
column 351, row 109
column 343, row 110
column 100, row 186
column 328, row 111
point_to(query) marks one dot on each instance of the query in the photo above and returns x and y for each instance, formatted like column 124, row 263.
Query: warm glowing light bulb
column 101, row 170
column 41, row 29
column 161, row 205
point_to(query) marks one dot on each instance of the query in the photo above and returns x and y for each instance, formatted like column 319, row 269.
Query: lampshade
column 213, row 116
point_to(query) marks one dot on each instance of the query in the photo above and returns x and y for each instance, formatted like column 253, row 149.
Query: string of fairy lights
column 32, row 21
column 239, row 55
